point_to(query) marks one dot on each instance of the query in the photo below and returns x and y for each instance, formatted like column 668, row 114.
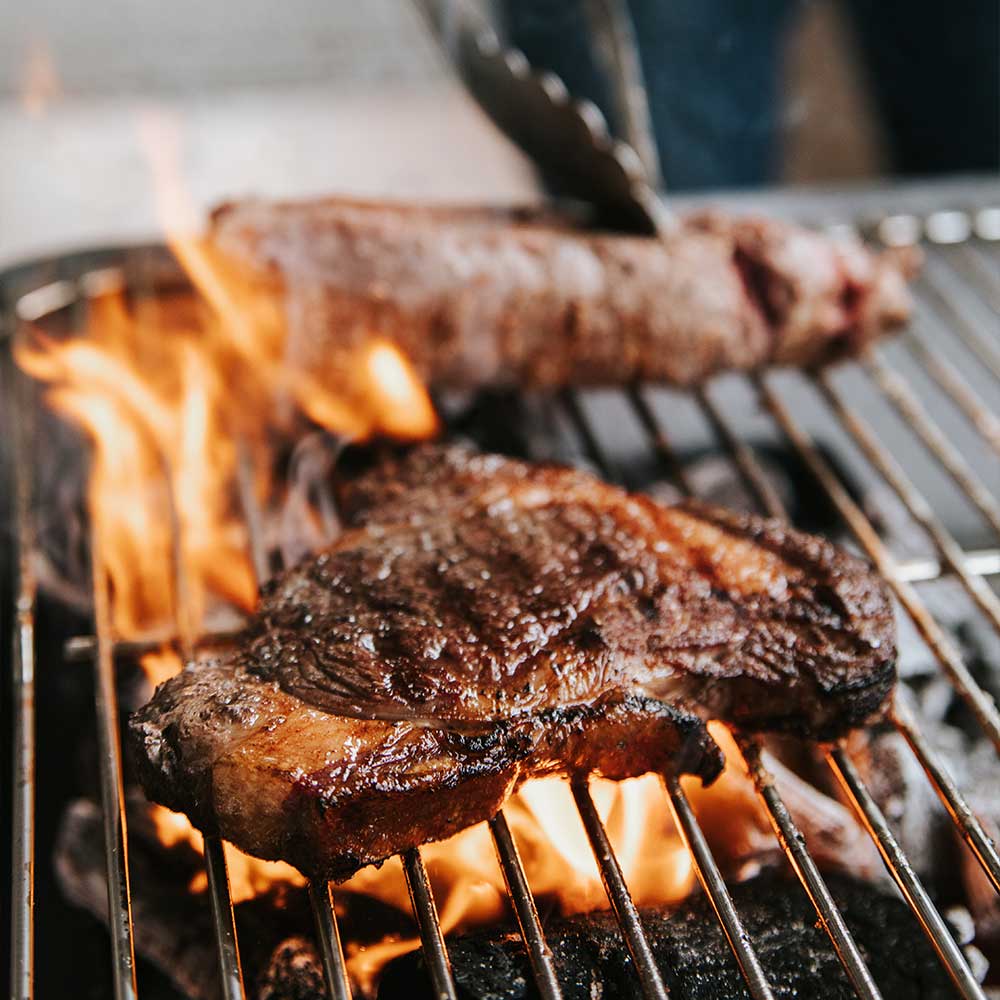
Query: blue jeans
column 712, row 70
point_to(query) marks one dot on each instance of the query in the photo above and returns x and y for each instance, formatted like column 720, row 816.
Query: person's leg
column 712, row 70
column 713, row 73
column 935, row 70
column 555, row 36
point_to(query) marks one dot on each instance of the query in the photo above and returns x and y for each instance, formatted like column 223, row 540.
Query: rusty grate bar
column 618, row 895
column 904, row 876
column 539, row 953
column 22, row 927
column 431, row 938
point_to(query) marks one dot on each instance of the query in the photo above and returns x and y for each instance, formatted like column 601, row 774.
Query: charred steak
column 482, row 621
column 478, row 297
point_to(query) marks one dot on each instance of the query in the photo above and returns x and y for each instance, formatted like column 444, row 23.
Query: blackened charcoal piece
column 692, row 954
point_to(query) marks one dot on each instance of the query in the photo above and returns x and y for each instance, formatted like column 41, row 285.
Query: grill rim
column 84, row 266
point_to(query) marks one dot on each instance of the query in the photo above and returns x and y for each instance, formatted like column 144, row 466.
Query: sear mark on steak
column 484, row 620
column 478, row 297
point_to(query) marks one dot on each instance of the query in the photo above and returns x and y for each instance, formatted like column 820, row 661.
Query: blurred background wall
column 307, row 96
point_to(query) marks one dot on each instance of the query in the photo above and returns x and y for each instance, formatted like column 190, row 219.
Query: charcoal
column 293, row 972
column 173, row 925
column 692, row 954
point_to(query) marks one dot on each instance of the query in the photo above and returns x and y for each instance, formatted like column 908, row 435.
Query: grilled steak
column 476, row 297
column 482, row 621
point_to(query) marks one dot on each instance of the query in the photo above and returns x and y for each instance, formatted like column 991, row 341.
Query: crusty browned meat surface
column 481, row 621
column 476, row 297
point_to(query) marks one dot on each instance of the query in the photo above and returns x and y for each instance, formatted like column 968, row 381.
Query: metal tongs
column 568, row 139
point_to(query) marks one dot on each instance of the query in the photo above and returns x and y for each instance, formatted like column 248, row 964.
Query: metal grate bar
column 621, row 900
column 981, row 562
column 956, row 386
column 223, row 920
column 618, row 894
column 660, row 441
column 539, row 954
column 715, row 886
column 903, row 874
column 895, row 388
column 793, row 844
column 914, row 501
column 338, row 985
column 969, row 260
column 932, row 285
column 417, row 881
column 112, row 789
column 895, row 860
column 431, row 938
column 981, row 704
column 969, row 826
column 749, row 468
column 753, row 475
column 789, row 837
column 252, row 514
column 22, row 928
column 320, row 893
column 684, row 817
column 980, row 843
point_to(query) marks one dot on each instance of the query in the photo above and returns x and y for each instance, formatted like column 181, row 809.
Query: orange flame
column 178, row 396
column 40, row 84
column 174, row 394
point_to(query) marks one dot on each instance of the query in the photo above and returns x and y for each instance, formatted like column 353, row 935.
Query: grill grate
column 962, row 279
